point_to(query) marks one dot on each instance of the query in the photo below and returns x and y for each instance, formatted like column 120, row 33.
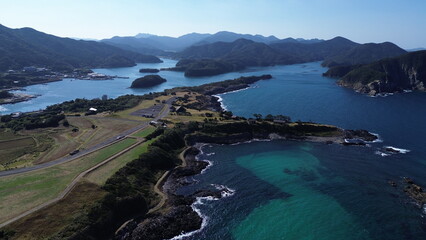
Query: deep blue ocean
column 288, row 189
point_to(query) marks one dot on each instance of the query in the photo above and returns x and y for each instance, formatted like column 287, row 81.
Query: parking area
column 150, row 112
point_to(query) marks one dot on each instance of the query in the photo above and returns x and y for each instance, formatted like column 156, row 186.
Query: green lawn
column 25, row 191
column 101, row 175
column 144, row 132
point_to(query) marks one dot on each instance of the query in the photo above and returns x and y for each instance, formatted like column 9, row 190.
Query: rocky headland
column 407, row 72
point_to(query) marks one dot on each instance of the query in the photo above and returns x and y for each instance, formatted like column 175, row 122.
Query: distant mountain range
column 28, row 47
column 163, row 45
column 232, row 56
column 415, row 49
column 371, row 68
column 406, row 72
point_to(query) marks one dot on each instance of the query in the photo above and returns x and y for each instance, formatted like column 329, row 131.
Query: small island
column 149, row 70
column 147, row 81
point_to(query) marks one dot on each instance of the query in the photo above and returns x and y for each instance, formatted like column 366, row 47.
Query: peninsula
column 131, row 199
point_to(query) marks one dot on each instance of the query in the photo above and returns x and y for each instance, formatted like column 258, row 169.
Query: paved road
column 92, row 149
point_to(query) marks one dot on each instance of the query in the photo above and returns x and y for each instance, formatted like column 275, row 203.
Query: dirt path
column 161, row 181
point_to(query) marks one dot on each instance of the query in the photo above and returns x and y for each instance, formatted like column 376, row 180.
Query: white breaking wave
column 220, row 100
column 400, row 150
column 226, row 192
column 382, row 154
column 3, row 109
column 250, row 141
column 378, row 138
column 210, row 164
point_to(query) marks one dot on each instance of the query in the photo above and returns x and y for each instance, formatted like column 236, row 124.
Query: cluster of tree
column 262, row 128
column 32, row 121
column 5, row 94
column 116, row 104
column 148, row 70
column 223, row 86
column 21, row 79
column 271, row 117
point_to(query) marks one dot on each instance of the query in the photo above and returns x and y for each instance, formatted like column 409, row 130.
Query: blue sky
column 399, row 21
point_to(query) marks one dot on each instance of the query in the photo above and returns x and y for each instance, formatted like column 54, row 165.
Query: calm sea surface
column 294, row 190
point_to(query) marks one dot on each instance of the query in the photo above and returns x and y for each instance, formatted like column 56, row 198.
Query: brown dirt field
column 107, row 128
column 17, row 143
column 62, row 147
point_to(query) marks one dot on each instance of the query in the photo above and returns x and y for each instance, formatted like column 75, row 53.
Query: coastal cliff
column 407, row 72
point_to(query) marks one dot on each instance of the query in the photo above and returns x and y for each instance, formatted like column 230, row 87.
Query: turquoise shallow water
column 307, row 214
column 294, row 190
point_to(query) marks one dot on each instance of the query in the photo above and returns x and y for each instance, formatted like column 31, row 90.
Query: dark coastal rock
column 415, row 191
column 360, row 134
column 149, row 70
column 392, row 150
column 407, row 72
column 179, row 219
column 392, row 183
column 147, row 81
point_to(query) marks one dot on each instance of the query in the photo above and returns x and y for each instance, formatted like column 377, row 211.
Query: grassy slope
column 23, row 192
column 144, row 132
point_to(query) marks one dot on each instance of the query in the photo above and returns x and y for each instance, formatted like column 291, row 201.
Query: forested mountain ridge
column 28, row 47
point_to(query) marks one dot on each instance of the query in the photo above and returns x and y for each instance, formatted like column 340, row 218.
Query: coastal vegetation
column 147, row 81
column 5, row 94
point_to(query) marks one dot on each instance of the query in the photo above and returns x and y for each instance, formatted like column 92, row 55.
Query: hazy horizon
column 361, row 21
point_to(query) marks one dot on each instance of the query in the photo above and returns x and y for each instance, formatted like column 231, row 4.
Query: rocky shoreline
column 163, row 224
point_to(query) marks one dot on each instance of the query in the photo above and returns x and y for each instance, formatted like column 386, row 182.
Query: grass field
column 22, row 192
column 52, row 219
column 17, row 150
column 144, row 132
column 101, row 174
